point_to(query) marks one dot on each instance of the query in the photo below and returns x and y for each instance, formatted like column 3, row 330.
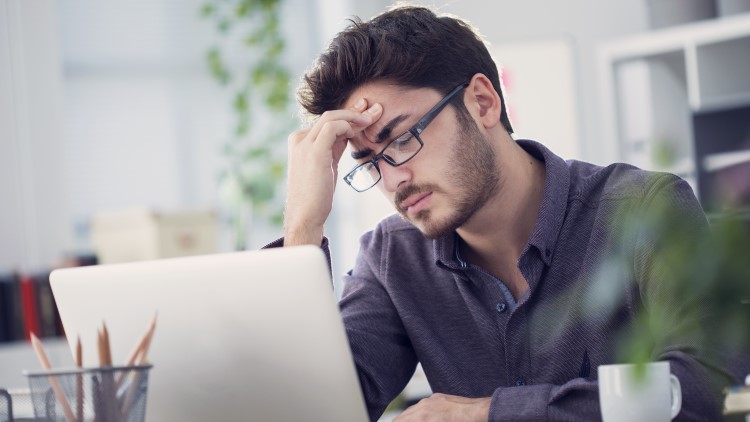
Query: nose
column 393, row 177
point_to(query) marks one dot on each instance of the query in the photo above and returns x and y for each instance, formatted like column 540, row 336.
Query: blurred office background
column 109, row 106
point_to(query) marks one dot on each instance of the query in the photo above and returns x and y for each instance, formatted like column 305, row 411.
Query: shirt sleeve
column 382, row 352
column 578, row 399
column 669, row 225
column 666, row 236
column 672, row 260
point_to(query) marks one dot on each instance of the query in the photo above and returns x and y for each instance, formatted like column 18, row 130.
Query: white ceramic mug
column 626, row 396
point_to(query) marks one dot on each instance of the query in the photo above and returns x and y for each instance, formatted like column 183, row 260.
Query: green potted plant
column 696, row 290
column 259, row 94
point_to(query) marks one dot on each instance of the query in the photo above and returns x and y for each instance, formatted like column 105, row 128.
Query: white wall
column 107, row 106
column 31, row 195
column 586, row 23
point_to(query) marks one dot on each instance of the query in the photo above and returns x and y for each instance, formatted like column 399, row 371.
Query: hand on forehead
column 398, row 105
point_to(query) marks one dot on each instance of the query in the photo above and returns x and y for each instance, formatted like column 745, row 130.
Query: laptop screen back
column 241, row 336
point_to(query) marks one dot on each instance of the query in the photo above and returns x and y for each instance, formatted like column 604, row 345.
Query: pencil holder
column 106, row 394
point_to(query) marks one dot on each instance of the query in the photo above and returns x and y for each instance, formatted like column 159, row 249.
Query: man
column 484, row 277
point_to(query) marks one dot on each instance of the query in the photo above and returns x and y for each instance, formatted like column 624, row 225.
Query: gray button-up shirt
column 410, row 299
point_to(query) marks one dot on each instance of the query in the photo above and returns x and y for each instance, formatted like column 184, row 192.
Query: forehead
column 396, row 101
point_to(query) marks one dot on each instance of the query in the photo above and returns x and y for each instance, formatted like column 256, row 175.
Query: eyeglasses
column 398, row 151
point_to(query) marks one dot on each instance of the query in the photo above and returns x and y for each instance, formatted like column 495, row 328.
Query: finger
column 405, row 415
column 338, row 150
column 347, row 115
column 333, row 133
column 360, row 120
column 369, row 116
column 360, row 105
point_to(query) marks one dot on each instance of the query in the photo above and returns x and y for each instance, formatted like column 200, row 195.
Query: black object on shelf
column 11, row 308
column 27, row 305
column 722, row 158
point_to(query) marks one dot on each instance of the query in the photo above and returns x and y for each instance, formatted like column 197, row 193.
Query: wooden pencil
column 109, row 390
column 137, row 349
column 142, row 358
column 107, row 346
column 59, row 393
column 79, row 381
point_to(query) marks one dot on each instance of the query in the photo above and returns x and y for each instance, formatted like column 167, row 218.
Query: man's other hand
column 443, row 407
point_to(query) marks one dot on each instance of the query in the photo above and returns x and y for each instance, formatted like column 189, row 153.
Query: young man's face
column 450, row 178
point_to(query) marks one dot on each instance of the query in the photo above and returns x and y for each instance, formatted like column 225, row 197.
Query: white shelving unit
column 653, row 84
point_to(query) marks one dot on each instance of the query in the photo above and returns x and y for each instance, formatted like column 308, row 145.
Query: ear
column 483, row 101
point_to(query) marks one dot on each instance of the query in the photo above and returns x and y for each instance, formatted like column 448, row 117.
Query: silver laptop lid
column 248, row 336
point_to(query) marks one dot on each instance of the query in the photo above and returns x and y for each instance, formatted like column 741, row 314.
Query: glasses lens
column 364, row 177
column 402, row 149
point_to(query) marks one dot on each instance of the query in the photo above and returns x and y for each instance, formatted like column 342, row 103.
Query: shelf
column 720, row 161
column 743, row 215
column 723, row 102
column 710, row 58
column 678, row 38
column 722, row 71
column 682, row 95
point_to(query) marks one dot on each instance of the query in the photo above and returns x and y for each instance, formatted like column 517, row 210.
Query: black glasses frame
column 415, row 130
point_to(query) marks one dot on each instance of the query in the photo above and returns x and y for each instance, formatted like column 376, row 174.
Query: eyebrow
column 382, row 136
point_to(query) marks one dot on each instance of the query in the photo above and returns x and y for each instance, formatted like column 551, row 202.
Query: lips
column 415, row 203
column 413, row 199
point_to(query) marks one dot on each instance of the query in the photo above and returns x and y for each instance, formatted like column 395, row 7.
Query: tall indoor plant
column 247, row 61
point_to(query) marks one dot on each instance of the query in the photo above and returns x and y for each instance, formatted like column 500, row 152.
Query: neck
column 497, row 234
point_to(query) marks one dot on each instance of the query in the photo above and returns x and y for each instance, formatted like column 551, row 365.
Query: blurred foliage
column 256, row 163
column 696, row 297
column 663, row 153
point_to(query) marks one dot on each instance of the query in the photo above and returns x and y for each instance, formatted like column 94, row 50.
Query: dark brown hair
column 408, row 46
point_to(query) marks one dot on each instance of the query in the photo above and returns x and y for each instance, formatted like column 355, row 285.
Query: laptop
column 246, row 336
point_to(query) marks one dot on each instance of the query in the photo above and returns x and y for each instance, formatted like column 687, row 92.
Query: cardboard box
column 142, row 235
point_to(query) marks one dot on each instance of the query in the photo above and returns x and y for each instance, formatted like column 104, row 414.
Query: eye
column 402, row 141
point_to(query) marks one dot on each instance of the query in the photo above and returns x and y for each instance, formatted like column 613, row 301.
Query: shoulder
column 591, row 184
column 392, row 242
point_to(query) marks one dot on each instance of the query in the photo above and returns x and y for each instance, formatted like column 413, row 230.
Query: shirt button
column 501, row 307
column 520, row 382
column 547, row 252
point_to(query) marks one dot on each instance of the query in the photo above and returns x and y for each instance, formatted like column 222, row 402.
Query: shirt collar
column 554, row 200
column 549, row 221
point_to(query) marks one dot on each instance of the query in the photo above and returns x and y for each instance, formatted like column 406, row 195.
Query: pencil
column 138, row 348
column 79, row 380
column 107, row 346
column 142, row 356
column 146, row 345
column 109, row 390
column 37, row 345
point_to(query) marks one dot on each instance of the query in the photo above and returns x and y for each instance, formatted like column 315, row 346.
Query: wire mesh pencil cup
column 106, row 394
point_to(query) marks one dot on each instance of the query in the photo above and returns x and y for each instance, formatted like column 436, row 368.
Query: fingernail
column 374, row 109
column 359, row 104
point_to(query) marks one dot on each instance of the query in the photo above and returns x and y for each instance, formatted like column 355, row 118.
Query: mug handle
column 676, row 395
